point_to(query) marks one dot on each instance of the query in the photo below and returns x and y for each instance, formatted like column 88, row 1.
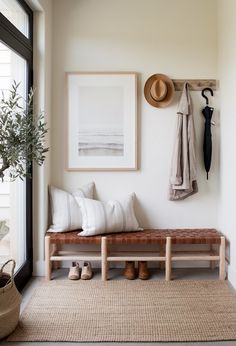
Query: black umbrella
column 207, row 142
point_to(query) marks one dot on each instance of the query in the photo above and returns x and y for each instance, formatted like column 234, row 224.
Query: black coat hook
column 205, row 97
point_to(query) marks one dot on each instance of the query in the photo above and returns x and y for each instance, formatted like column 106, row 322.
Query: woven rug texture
column 96, row 311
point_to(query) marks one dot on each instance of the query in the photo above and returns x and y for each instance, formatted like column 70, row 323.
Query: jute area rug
column 92, row 311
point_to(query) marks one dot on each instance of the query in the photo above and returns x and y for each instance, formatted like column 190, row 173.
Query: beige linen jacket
column 183, row 180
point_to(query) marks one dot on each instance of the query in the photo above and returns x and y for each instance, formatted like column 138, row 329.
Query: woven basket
column 10, row 300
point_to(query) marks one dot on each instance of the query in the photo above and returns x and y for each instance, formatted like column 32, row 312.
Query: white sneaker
column 86, row 271
column 74, row 272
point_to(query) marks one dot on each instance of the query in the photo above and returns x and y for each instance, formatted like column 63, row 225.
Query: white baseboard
column 232, row 276
column 38, row 268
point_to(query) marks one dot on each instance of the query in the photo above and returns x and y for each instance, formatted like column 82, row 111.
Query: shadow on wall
column 141, row 213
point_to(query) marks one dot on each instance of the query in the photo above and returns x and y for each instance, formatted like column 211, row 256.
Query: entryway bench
column 163, row 239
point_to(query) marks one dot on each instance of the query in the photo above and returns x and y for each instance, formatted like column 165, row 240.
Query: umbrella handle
column 205, row 97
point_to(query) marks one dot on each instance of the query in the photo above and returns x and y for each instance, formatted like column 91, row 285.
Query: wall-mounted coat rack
column 195, row 84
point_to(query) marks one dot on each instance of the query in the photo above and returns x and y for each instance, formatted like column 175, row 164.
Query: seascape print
column 100, row 130
column 101, row 142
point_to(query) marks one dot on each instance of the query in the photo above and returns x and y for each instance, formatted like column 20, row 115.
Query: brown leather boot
column 129, row 271
column 143, row 273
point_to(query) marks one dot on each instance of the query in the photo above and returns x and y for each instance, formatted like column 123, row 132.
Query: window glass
column 12, row 194
column 12, row 10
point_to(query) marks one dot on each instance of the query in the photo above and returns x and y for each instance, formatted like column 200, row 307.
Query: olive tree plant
column 22, row 135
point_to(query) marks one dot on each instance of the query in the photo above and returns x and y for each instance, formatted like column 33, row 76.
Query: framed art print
column 101, row 121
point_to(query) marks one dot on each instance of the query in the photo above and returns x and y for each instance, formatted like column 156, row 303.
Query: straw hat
column 159, row 90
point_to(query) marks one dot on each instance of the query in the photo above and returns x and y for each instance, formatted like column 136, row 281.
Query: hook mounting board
column 195, row 84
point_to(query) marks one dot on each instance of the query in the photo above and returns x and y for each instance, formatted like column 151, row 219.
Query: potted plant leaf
column 22, row 135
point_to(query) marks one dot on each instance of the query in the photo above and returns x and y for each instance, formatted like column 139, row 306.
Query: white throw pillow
column 110, row 217
column 65, row 212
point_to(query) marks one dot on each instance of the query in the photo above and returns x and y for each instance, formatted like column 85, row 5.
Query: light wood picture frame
column 101, row 121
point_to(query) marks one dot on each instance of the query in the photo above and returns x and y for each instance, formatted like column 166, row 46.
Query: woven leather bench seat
column 72, row 238
column 147, row 236
column 158, row 236
column 162, row 252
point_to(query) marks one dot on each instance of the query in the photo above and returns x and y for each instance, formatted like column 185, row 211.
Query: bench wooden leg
column 47, row 258
column 168, row 258
column 222, row 259
column 104, row 258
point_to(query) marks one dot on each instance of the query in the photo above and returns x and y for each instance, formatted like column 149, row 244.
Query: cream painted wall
column 178, row 38
column 227, row 73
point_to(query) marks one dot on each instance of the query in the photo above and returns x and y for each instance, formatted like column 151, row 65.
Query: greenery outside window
column 16, row 63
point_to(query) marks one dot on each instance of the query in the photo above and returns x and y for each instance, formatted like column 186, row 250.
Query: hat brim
column 169, row 95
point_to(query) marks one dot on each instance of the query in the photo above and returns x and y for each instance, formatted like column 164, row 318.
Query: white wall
column 178, row 38
column 227, row 72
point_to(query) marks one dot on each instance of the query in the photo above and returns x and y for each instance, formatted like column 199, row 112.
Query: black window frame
column 23, row 46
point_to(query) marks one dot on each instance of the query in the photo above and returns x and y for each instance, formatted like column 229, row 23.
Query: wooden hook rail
column 195, row 84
